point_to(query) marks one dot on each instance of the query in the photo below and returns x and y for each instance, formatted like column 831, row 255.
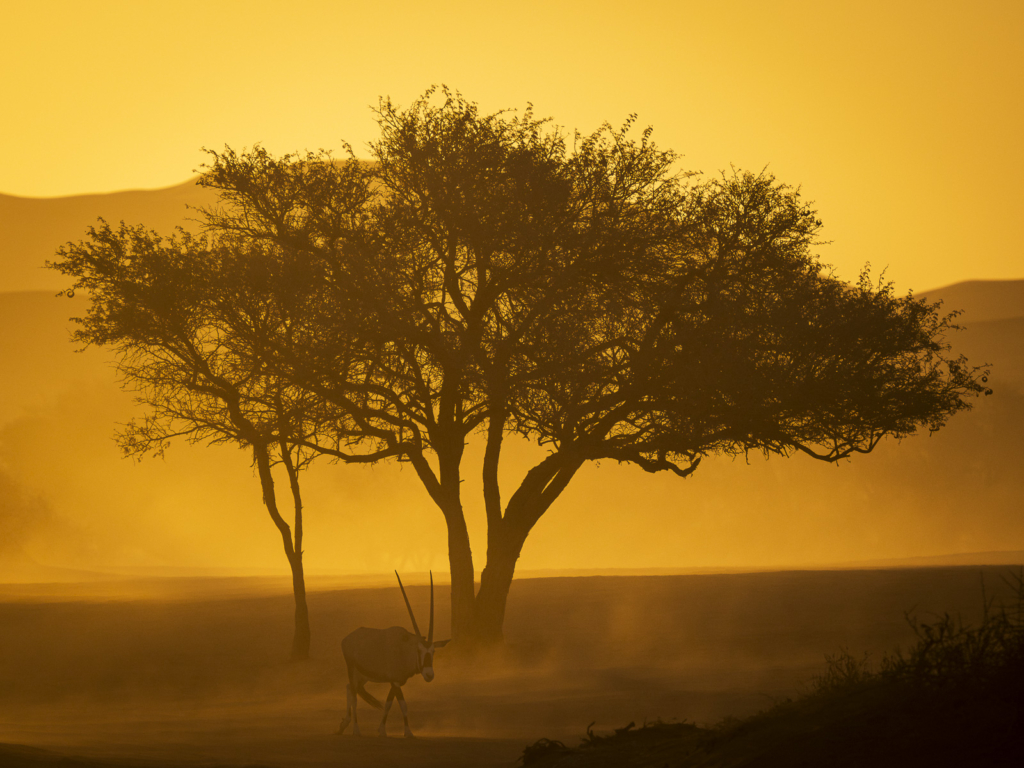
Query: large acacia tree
column 491, row 275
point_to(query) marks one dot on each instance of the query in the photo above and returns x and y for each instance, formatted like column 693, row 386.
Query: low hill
column 981, row 300
column 39, row 361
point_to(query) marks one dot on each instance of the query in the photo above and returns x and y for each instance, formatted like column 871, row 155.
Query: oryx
column 391, row 655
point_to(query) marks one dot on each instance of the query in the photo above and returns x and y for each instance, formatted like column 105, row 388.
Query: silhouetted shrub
column 948, row 654
column 540, row 749
column 955, row 697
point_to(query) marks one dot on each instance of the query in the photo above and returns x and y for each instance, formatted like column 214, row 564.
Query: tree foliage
column 491, row 274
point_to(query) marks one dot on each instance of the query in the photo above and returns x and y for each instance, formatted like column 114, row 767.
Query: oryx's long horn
column 430, row 633
column 411, row 616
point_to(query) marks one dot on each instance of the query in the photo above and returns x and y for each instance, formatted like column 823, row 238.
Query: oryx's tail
column 368, row 698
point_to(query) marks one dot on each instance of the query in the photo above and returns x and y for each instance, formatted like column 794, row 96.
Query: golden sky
column 901, row 120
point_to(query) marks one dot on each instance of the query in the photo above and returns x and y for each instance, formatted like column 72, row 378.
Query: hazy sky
column 901, row 120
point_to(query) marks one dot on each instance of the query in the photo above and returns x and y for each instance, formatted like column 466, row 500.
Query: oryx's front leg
column 405, row 709
column 350, row 705
column 383, row 731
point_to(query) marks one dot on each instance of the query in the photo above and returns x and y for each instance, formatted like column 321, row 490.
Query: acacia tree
column 489, row 274
column 190, row 322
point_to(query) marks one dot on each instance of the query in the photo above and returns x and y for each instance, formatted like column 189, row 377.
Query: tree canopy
column 493, row 275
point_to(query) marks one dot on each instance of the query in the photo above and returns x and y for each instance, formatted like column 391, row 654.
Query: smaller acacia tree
column 189, row 320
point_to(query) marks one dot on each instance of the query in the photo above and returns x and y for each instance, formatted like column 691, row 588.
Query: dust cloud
column 201, row 508
column 19, row 514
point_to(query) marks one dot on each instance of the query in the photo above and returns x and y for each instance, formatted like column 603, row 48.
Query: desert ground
column 194, row 671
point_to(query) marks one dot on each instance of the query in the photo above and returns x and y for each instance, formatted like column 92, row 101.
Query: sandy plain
column 194, row 671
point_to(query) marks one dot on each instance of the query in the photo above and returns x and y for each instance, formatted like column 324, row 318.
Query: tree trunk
column 506, row 536
column 495, row 582
column 300, row 639
column 460, row 560
column 450, row 446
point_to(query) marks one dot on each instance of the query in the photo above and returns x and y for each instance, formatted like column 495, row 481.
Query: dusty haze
column 73, row 502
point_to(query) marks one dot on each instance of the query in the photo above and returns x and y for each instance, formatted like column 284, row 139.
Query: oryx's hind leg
column 355, row 703
column 383, row 731
column 405, row 710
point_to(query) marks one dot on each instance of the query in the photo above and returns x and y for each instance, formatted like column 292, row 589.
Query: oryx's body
column 382, row 655
column 391, row 655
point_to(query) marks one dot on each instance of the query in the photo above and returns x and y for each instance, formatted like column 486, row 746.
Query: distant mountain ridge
column 33, row 228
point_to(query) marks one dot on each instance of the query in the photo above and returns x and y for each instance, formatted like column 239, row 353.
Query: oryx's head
column 425, row 647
